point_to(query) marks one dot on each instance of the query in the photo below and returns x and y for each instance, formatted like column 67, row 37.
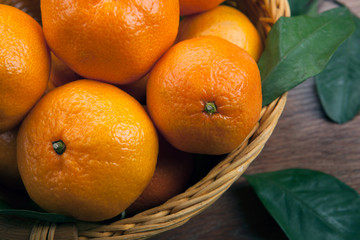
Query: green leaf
column 299, row 48
column 313, row 8
column 301, row 7
column 309, row 204
column 34, row 212
column 338, row 86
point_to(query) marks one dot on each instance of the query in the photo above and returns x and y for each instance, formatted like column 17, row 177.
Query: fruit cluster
column 103, row 106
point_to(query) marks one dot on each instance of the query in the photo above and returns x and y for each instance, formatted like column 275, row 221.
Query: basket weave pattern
column 178, row 210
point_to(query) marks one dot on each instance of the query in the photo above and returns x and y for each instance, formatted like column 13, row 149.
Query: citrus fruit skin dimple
column 113, row 41
column 86, row 150
column 204, row 95
column 24, row 65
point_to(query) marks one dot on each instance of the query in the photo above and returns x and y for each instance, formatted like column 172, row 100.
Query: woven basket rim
column 179, row 209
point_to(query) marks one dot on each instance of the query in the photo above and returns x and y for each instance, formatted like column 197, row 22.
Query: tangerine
column 137, row 89
column 86, row 150
column 9, row 173
column 60, row 73
column 225, row 22
column 24, row 65
column 204, row 95
column 188, row 7
column 112, row 41
column 172, row 174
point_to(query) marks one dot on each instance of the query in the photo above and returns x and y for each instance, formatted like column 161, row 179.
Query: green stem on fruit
column 210, row 108
column 59, row 147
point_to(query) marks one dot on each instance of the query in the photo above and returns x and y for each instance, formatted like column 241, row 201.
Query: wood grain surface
column 303, row 138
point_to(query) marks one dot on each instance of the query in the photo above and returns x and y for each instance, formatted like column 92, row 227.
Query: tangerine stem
column 210, row 108
column 59, row 147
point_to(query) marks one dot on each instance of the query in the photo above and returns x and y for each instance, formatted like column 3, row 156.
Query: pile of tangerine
column 103, row 107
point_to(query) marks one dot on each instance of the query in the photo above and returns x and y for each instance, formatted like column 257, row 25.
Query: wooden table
column 303, row 138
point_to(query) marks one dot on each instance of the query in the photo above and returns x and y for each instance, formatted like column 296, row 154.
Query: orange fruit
column 60, row 73
column 112, row 41
column 204, row 95
column 188, row 7
column 9, row 173
column 225, row 22
column 137, row 89
column 86, row 150
column 50, row 86
column 24, row 65
column 172, row 174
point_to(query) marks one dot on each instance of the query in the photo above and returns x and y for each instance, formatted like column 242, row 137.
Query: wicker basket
column 178, row 210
